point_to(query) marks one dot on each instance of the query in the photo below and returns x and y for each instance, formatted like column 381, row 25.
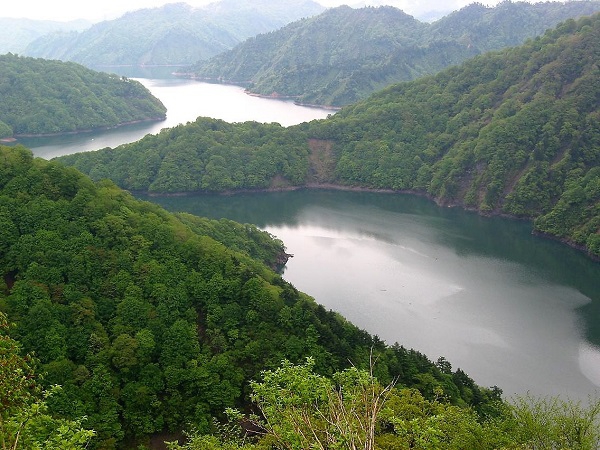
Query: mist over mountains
column 173, row 34
column 345, row 54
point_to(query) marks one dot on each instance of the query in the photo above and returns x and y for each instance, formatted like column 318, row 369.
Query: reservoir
column 185, row 101
column 509, row 308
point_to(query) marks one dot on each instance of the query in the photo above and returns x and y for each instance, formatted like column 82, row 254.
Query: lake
column 509, row 308
column 185, row 101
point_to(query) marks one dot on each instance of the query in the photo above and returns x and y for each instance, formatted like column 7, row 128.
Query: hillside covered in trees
column 152, row 322
column 513, row 132
column 51, row 97
column 17, row 34
column 345, row 54
column 174, row 34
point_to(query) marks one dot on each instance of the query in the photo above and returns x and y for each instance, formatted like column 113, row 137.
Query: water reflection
column 186, row 100
column 510, row 308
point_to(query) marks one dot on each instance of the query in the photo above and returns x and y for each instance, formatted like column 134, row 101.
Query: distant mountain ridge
column 513, row 132
column 174, row 34
column 345, row 54
column 18, row 33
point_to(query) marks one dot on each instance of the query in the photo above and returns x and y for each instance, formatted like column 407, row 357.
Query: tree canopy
column 510, row 132
column 345, row 54
column 300, row 409
column 24, row 418
column 152, row 322
column 51, row 97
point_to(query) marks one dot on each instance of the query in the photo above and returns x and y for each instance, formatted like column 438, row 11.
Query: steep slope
column 152, row 321
column 174, row 34
column 507, row 24
column 514, row 132
column 330, row 56
column 345, row 54
column 51, row 97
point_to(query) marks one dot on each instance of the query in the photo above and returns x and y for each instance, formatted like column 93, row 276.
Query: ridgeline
column 345, row 54
column 511, row 132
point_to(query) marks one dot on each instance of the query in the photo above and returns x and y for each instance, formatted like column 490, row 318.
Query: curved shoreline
column 273, row 96
column 338, row 187
column 15, row 137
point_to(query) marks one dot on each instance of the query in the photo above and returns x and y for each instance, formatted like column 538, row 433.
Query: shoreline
column 244, row 84
column 338, row 187
column 16, row 137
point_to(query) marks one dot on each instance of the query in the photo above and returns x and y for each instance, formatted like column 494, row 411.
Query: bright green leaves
column 25, row 422
column 304, row 410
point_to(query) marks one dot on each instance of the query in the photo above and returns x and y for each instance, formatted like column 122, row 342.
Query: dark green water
column 512, row 309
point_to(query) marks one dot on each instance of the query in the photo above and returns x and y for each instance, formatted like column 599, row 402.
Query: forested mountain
column 174, row 34
column 152, row 321
column 48, row 97
column 17, row 33
column 513, row 132
column 327, row 59
column 345, row 54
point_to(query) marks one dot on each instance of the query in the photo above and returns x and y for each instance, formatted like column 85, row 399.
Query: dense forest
column 152, row 322
column 174, row 34
column 512, row 132
column 131, row 324
column 51, row 97
column 345, row 54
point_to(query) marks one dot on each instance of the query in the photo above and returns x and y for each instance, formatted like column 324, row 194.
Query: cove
column 509, row 308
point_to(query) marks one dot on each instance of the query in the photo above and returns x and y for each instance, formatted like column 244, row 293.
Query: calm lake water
column 509, row 308
column 185, row 101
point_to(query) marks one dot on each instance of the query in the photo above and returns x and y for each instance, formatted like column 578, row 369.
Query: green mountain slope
column 514, row 132
column 18, row 33
column 345, row 54
column 328, row 59
column 152, row 321
column 48, row 97
column 174, row 34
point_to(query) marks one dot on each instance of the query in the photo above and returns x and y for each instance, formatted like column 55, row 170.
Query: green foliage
column 152, row 321
column 206, row 155
column 556, row 423
column 246, row 238
column 50, row 97
column 512, row 132
column 515, row 132
column 301, row 409
column 304, row 410
column 174, row 34
column 5, row 130
column 345, row 54
column 24, row 418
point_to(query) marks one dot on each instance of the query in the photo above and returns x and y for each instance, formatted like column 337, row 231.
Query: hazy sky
column 96, row 10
